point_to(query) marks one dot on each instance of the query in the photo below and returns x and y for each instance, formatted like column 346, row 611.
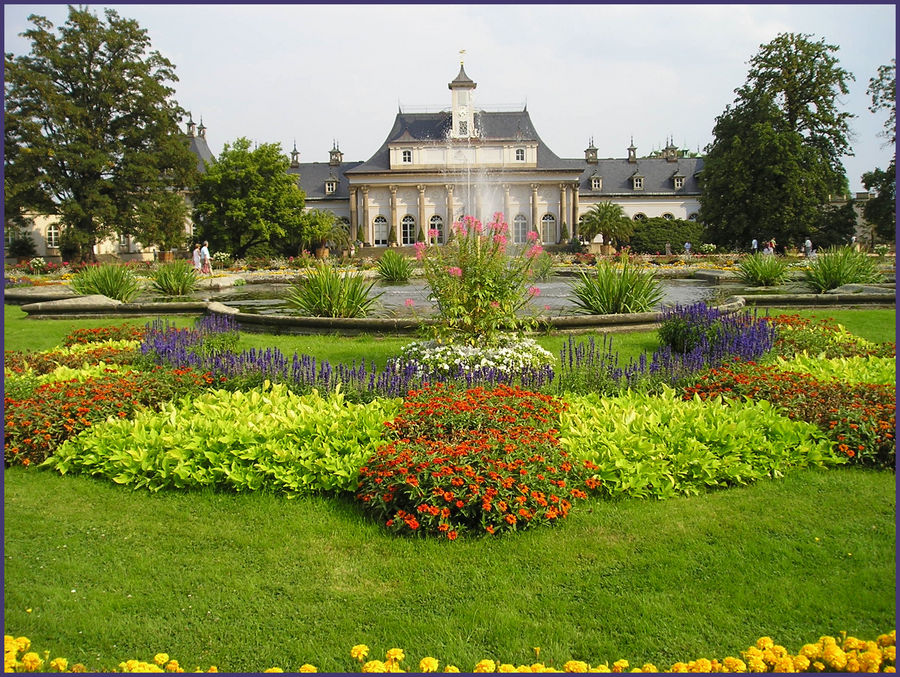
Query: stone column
column 450, row 211
column 506, row 205
column 368, row 235
column 354, row 216
column 535, row 224
column 422, row 225
column 393, row 225
column 574, row 210
column 562, row 210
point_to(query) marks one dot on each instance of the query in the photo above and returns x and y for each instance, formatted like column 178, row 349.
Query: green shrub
column 838, row 266
column 616, row 288
column 394, row 267
column 854, row 369
column 109, row 279
column 263, row 439
column 762, row 270
column 663, row 446
column 174, row 279
column 542, row 267
column 651, row 235
column 327, row 293
column 21, row 245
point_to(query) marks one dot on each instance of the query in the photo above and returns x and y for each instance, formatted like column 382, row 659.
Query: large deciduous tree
column 247, row 199
column 776, row 154
column 881, row 209
column 92, row 132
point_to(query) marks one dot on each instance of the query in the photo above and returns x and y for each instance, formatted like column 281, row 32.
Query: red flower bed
column 482, row 461
column 99, row 334
column 35, row 426
column 859, row 417
column 45, row 362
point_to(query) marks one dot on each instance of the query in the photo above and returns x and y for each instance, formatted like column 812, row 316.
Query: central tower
column 463, row 113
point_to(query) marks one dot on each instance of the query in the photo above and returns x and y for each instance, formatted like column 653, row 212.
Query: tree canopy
column 881, row 209
column 247, row 199
column 92, row 132
column 775, row 157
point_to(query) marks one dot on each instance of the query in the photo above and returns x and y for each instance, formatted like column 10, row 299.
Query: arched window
column 668, row 217
column 520, row 229
column 548, row 229
column 692, row 217
column 53, row 235
column 381, row 231
column 408, row 230
column 639, row 217
column 437, row 223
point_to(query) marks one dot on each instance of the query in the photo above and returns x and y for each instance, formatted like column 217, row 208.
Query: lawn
column 248, row 581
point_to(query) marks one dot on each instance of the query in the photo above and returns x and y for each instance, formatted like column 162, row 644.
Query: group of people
column 202, row 263
column 769, row 247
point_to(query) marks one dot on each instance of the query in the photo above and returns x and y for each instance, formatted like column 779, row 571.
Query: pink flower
column 434, row 232
column 532, row 236
column 535, row 250
column 455, row 271
column 409, row 303
column 534, row 291
column 495, row 304
column 500, row 239
column 420, row 250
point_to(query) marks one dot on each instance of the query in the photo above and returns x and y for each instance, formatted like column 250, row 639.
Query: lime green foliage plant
column 325, row 292
column 845, row 369
column 838, row 266
column 109, row 279
column 477, row 284
column 265, row 438
column 616, row 288
column 63, row 373
column 662, row 446
column 824, row 337
column 394, row 267
column 174, row 279
column 762, row 270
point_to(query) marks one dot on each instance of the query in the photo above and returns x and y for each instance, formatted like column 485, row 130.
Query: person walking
column 754, row 246
column 196, row 256
column 807, row 248
column 205, row 263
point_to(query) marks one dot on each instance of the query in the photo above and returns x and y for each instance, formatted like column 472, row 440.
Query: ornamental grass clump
column 478, row 283
column 108, row 279
column 325, row 292
column 762, row 270
column 470, row 462
column 837, row 266
column 616, row 288
column 177, row 278
column 394, row 267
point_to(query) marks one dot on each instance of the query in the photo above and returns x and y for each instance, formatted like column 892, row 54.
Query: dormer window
column 407, row 156
column 596, row 183
column 520, row 155
column 638, row 182
column 679, row 182
column 330, row 186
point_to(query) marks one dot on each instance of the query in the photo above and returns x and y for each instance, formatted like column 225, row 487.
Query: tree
column 91, row 132
column 881, row 209
column 883, row 91
column 775, row 157
column 607, row 218
column 247, row 199
column 834, row 226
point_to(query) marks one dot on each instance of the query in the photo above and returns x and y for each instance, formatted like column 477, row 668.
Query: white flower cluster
column 512, row 355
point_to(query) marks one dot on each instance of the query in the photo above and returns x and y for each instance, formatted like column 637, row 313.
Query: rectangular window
column 463, row 128
column 679, row 182
column 520, row 155
column 407, row 156
column 638, row 183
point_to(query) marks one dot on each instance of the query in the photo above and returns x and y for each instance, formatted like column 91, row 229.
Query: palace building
column 434, row 168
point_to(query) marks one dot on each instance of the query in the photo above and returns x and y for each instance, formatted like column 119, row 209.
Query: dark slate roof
column 657, row 173
column 515, row 125
column 201, row 150
column 462, row 80
column 313, row 176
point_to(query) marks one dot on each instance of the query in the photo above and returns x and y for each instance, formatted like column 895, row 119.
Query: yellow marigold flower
column 523, row 668
column 889, row 639
column 506, row 667
column 213, row 668
column 395, row 655
column 131, row 665
column 538, row 667
column 306, row 667
column 428, row 664
column 827, row 640
column 764, row 643
column 779, row 651
column 374, row 666
column 161, row 658
column 801, row 663
column 701, row 665
column 620, row 665
column 784, row 664
column 890, row 668
column 649, row 667
column 679, row 667
column 359, row 652
column 819, row 666
column 273, row 670
column 451, row 668
column 870, row 661
column 732, row 664
column 811, row 651
column 79, row 667
column 59, row 664
column 23, row 643
column 834, row 657
column 757, row 664
column 172, row 666
column 31, row 662
column 575, row 666
column 890, row 653
column 485, row 665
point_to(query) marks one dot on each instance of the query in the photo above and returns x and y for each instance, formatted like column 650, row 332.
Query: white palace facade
column 434, row 168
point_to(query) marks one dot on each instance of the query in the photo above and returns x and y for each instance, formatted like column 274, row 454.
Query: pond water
column 554, row 297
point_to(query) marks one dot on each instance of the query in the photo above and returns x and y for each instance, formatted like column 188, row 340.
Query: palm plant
column 617, row 288
column 609, row 219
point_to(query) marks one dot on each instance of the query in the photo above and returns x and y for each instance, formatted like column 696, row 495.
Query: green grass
column 247, row 582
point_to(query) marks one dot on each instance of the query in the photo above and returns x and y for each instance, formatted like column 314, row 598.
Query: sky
column 316, row 75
